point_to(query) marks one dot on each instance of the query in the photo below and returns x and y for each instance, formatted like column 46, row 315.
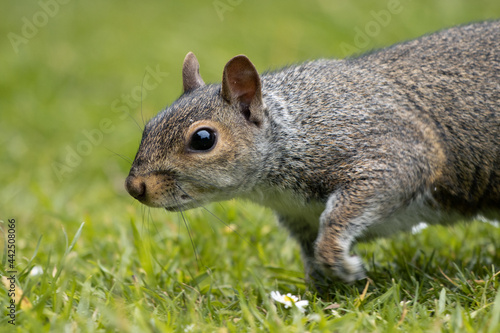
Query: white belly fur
column 296, row 210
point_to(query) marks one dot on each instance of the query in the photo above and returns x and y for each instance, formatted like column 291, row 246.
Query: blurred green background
column 70, row 70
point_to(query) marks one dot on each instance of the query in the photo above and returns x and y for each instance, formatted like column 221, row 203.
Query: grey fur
column 341, row 150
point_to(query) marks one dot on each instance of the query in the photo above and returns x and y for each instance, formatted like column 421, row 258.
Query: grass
column 90, row 259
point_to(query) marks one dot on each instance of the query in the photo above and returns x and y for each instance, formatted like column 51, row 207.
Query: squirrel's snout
column 136, row 187
column 150, row 188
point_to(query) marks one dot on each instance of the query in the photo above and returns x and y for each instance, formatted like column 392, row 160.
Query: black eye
column 202, row 140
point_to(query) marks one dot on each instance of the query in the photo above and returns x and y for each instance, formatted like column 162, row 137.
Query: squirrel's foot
column 349, row 270
column 324, row 277
column 340, row 265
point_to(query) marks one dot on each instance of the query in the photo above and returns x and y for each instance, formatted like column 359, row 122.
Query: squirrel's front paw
column 348, row 270
column 340, row 265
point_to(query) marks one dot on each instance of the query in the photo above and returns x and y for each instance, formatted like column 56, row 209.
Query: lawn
column 89, row 258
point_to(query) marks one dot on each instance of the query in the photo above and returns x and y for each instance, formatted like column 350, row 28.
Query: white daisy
column 189, row 328
column 289, row 300
column 36, row 270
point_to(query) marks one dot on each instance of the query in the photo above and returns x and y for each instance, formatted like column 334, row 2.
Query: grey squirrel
column 341, row 150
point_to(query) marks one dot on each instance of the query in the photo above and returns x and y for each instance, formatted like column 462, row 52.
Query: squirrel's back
column 438, row 94
column 453, row 79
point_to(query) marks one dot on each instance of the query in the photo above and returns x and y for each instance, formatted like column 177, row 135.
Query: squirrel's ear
column 191, row 78
column 241, row 84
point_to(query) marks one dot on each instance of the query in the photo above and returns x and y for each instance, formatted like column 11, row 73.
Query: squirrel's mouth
column 180, row 202
column 174, row 208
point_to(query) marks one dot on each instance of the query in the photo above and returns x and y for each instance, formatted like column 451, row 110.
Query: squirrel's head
column 207, row 146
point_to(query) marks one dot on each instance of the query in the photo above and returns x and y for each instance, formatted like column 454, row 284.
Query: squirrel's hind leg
column 306, row 236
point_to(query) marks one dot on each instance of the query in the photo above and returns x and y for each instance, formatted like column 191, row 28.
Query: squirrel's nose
column 136, row 187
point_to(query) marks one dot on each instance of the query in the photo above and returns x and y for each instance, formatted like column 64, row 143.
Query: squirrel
column 341, row 150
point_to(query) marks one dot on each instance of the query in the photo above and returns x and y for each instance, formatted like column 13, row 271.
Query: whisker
column 143, row 215
column 151, row 221
column 204, row 183
column 178, row 227
column 125, row 158
column 142, row 115
column 222, row 206
column 217, row 218
column 156, row 230
column 196, row 255
column 135, row 121
column 229, row 227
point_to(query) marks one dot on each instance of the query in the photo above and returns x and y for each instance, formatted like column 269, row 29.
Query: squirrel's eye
column 203, row 140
